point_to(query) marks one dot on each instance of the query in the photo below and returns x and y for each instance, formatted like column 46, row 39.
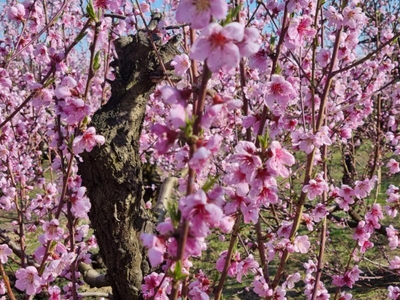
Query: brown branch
column 92, row 277
column 97, row 295
column 165, row 194
column 6, row 282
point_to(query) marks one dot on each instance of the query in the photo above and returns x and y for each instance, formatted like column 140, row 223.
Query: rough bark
column 112, row 173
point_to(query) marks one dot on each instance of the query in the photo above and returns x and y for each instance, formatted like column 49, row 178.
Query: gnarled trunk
column 112, row 172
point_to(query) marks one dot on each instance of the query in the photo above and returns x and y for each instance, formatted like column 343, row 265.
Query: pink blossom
column 323, row 57
column 265, row 192
column 291, row 280
column 201, row 282
column 197, row 294
column 3, row 289
column 245, row 266
column 145, row 7
column 310, row 266
column 333, row 16
column 308, row 221
column 101, row 3
column 285, row 229
column 80, row 203
column 166, row 137
column 391, row 211
column 52, row 231
column 67, row 88
column 394, row 166
column 28, row 280
column 322, row 292
column 315, row 187
column 365, row 244
column 394, row 264
column 278, row 92
column 373, row 216
column 249, row 45
column 54, row 293
column 59, row 265
column 247, row 158
column 363, row 188
column 217, row 44
column 155, row 281
column 393, row 237
column 361, row 232
column 319, row 212
column 172, row 95
column 226, row 224
column 393, row 292
column 87, row 141
column 178, row 115
column 259, row 60
column 279, row 158
column 41, row 54
column 353, row 17
column 232, row 270
column 198, row 13
column 17, row 12
column 5, row 251
column 349, row 278
column 345, row 296
column 346, row 194
column 300, row 29
column 301, row 244
column 201, row 213
column 181, row 64
column 5, row 80
column 199, row 159
column 156, row 248
column 261, row 288
column 73, row 110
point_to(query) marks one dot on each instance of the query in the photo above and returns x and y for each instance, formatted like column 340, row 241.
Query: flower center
column 218, row 40
column 276, row 89
column 202, row 5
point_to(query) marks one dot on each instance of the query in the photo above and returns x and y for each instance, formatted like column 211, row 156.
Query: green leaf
column 272, row 40
column 85, row 121
column 263, row 140
column 188, row 128
column 70, row 142
column 80, row 36
column 49, row 81
column 174, row 213
column 177, row 274
column 278, row 69
column 210, row 183
column 96, row 61
column 90, row 11
column 232, row 14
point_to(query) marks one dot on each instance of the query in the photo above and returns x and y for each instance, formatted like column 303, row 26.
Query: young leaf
column 90, row 11
column 96, row 61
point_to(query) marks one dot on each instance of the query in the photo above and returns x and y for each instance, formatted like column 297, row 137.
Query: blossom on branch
column 87, row 141
column 198, row 13
column 28, row 280
column 223, row 46
column 5, row 252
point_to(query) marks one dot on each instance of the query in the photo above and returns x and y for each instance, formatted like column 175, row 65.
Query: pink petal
column 219, row 9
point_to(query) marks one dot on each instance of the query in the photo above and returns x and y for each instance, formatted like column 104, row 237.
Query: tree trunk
column 112, row 172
